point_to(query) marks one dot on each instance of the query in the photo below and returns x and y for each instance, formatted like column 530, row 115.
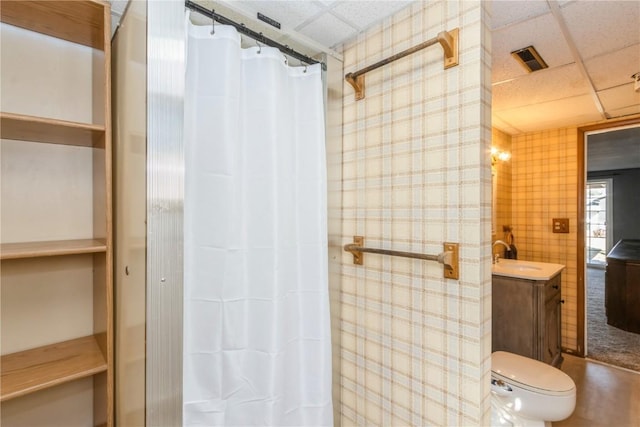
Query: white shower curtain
column 257, row 347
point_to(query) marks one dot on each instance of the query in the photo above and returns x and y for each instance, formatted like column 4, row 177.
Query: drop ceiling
column 592, row 49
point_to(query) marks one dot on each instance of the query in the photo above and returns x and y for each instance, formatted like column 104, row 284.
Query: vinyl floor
column 606, row 395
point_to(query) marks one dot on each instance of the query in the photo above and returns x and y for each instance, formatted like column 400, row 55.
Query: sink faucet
column 496, row 257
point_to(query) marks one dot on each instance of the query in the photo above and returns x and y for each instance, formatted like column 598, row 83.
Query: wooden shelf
column 43, row 367
column 38, row 129
column 51, row 248
column 78, row 21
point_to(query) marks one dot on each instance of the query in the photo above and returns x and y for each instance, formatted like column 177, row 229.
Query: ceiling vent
column 529, row 58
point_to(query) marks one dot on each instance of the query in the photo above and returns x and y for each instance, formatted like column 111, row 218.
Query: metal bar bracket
column 448, row 258
column 449, row 42
column 358, row 256
column 357, row 83
column 451, row 264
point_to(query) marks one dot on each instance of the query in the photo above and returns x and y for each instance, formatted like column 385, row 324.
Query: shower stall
column 407, row 171
column 158, row 346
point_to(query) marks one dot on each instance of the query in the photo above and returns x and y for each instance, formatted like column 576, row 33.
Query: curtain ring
column 259, row 47
column 213, row 21
column 305, row 69
column 285, row 59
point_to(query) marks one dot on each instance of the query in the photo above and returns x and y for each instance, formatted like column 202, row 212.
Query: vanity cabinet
column 526, row 317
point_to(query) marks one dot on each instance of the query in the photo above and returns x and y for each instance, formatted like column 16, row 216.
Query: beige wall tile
column 544, row 186
column 416, row 174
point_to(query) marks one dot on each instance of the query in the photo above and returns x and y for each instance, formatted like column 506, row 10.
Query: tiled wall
column 416, row 173
column 545, row 177
column 501, row 172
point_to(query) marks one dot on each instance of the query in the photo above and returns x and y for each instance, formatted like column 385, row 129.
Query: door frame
column 580, row 257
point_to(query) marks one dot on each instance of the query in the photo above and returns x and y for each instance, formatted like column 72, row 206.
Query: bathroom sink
column 521, row 267
column 526, row 269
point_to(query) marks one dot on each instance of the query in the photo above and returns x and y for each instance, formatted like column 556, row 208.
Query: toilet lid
column 530, row 374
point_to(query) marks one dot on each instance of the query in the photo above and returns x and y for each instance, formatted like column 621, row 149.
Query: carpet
column 607, row 343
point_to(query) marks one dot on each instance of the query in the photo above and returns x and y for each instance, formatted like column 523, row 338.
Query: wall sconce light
column 496, row 155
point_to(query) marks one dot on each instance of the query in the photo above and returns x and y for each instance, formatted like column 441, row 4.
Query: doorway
column 609, row 166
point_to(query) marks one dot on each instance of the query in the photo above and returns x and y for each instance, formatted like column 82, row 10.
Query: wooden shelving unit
column 86, row 23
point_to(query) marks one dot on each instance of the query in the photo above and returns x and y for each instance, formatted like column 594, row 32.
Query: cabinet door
column 513, row 308
column 632, row 296
column 552, row 338
column 615, row 293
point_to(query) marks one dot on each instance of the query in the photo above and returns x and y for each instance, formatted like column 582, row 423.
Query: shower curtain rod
column 448, row 258
column 241, row 28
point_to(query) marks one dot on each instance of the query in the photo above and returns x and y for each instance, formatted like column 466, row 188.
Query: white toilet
column 528, row 393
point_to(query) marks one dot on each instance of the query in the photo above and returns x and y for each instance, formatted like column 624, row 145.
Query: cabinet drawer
column 552, row 288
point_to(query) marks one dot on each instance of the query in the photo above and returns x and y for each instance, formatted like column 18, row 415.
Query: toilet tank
column 530, row 388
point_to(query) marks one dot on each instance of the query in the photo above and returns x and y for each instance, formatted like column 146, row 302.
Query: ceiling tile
column 288, row 13
column 549, row 43
column 362, row 14
column 498, row 122
column 615, row 68
column 540, row 86
column 328, row 30
column 551, row 115
column 508, row 12
column 620, row 97
column 624, row 112
column 594, row 35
